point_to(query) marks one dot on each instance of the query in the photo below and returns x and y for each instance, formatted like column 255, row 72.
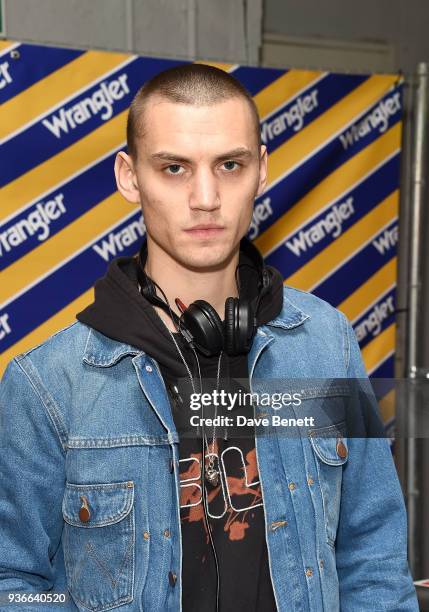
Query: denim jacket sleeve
column 32, row 475
column 371, row 545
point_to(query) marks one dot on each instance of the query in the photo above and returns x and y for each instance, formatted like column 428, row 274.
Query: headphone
column 200, row 324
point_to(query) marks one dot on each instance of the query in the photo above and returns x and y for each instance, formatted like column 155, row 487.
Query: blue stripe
column 355, row 272
column 35, row 62
column 386, row 369
column 255, row 79
column 57, row 290
column 370, row 323
column 309, row 174
column 327, row 92
column 365, row 196
column 97, row 183
column 40, row 144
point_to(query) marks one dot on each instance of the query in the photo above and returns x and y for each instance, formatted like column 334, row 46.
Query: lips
column 205, row 231
column 203, row 226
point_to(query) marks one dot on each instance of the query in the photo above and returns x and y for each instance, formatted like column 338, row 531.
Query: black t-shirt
column 235, row 505
column 122, row 312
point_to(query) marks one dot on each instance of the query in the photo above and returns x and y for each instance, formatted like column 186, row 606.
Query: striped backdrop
column 327, row 220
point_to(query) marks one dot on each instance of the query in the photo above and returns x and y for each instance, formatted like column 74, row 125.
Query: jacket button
column 292, row 486
column 341, row 449
column 84, row 514
column 146, row 535
column 172, row 578
column 167, row 533
column 310, row 481
column 308, row 571
column 148, row 368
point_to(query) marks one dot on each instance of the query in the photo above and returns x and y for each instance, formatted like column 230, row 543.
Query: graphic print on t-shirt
column 237, row 495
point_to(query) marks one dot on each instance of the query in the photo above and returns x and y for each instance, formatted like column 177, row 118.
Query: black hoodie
column 120, row 312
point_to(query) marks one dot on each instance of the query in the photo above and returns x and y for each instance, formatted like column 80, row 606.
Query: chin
column 205, row 256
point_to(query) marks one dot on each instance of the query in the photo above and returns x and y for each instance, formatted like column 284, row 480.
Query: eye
column 173, row 169
column 231, row 165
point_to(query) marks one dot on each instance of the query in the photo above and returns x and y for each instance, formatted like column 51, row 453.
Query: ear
column 126, row 179
column 263, row 170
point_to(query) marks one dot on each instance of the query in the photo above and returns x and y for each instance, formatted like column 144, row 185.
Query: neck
column 176, row 280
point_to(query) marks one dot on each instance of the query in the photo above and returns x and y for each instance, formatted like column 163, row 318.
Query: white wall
column 401, row 25
column 225, row 30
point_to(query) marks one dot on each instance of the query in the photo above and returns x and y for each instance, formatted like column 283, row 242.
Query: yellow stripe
column 61, row 319
column 220, row 65
column 355, row 237
column 44, row 176
column 54, row 88
column 330, row 188
column 282, row 89
column 42, row 259
column 333, row 120
column 387, row 405
column 378, row 348
column 368, row 292
column 4, row 44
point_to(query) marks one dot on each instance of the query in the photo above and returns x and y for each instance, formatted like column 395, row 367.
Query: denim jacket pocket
column 99, row 543
column 331, row 450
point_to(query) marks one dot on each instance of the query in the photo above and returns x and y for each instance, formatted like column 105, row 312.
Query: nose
column 204, row 193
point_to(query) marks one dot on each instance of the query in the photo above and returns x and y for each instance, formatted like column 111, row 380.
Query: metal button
column 341, row 449
column 167, row 533
column 146, row 535
column 84, row 512
column 148, row 368
column 276, row 524
column 310, row 481
column 172, row 578
column 292, row 486
column 308, row 571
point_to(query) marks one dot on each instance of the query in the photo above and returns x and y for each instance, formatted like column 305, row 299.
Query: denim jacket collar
column 104, row 352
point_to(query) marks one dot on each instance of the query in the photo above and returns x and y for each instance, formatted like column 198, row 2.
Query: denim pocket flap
column 330, row 444
column 97, row 505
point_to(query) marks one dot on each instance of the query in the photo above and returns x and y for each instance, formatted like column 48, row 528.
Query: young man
column 102, row 491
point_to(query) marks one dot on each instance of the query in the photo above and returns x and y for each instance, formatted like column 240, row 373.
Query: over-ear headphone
column 200, row 324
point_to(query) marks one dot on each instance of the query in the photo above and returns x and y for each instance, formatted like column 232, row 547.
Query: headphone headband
column 200, row 324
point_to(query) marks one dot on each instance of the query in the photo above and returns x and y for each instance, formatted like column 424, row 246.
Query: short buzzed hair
column 195, row 84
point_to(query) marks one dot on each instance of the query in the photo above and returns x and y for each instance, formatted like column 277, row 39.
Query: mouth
column 205, row 231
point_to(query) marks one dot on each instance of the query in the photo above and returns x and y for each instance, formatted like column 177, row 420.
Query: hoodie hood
column 120, row 312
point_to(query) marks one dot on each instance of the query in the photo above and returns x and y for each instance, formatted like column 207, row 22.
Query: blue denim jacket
column 87, row 418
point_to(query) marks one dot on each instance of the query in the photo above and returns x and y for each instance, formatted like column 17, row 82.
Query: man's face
column 198, row 165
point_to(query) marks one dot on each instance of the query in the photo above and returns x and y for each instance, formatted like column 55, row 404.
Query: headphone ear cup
column 239, row 328
column 231, row 304
column 245, row 328
column 205, row 325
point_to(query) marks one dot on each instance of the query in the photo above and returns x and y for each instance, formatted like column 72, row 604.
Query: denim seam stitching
column 124, row 599
column 78, row 442
column 111, row 519
column 112, row 579
column 52, row 412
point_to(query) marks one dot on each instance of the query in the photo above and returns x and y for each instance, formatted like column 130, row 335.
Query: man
column 102, row 491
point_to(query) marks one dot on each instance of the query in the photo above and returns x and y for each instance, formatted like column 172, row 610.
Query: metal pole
column 401, row 312
column 415, row 296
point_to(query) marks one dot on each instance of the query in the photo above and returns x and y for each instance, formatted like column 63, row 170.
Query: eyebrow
column 240, row 152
